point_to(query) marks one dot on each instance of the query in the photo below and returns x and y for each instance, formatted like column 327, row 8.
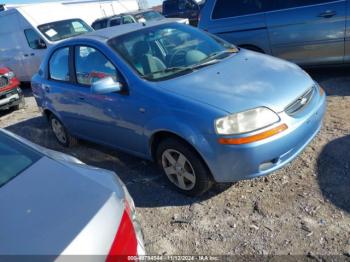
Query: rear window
column 226, row 8
column 15, row 157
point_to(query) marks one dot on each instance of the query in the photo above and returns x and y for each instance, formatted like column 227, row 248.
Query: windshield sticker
column 51, row 32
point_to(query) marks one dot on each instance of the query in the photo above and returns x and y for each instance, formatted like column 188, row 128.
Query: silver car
column 53, row 204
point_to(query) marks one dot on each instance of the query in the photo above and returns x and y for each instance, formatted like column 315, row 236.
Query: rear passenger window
column 227, row 8
column 91, row 66
column 59, row 65
column 284, row 4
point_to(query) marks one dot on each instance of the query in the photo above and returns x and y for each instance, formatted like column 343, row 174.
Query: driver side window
column 91, row 65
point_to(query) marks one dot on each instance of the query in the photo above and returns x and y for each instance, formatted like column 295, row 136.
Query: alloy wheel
column 178, row 169
column 59, row 131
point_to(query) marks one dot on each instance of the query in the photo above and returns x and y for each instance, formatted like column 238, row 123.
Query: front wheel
column 61, row 134
column 183, row 167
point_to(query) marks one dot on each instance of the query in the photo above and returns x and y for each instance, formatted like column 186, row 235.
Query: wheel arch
column 161, row 135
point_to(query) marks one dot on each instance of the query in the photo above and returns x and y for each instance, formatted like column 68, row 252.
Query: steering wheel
column 178, row 58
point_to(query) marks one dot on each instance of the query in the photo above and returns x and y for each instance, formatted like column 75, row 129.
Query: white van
column 27, row 31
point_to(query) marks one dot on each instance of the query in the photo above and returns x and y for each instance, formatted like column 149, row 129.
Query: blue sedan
column 203, row 109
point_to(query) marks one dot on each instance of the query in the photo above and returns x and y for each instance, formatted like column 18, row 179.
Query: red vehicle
column 11, row 95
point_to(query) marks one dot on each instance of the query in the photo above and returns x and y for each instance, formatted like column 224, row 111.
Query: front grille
column 7, row 94
column 3, row 81
column 300, row 103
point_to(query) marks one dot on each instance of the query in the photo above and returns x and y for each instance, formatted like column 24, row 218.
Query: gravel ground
column 302, row 209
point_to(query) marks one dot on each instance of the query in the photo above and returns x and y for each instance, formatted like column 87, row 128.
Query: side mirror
column 40, row 44
column 106, row 86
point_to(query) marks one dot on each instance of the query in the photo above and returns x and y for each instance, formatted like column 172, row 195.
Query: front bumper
column 10, row 98
column 234, row 163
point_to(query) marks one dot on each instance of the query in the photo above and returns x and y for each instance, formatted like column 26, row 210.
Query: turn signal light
column 254, row 138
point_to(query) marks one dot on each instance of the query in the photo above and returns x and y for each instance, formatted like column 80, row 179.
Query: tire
column 61, row 134
column 184, row 168
column 21, row 104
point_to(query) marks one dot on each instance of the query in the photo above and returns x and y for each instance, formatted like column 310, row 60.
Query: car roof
column 127, row 13
column 105, row 34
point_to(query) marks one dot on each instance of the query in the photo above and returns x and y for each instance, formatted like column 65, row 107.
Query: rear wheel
column 183, row 167
column 61, row 134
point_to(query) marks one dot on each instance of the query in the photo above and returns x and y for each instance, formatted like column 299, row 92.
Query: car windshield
column 169, row 50
column 15, row 157
column 59, row 30
column 148, row 16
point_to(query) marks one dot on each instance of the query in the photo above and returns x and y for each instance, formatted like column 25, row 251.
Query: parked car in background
column 27, row 31
column 205, row 110
column 11, row 95
column 189, row 9
column 133, row 17
column 53, row 204
column 305, row 32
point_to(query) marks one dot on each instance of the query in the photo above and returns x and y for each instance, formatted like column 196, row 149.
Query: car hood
column 245, row 80
column 56, row 208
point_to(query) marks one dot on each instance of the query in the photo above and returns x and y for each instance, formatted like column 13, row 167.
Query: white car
column 142, row 16
column 53, row 204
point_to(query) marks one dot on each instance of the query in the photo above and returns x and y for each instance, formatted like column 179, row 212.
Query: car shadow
column 333, row 166
column 145, row 182
column 333, row 79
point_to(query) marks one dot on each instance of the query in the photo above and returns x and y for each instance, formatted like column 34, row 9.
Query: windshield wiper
column 169, row 70
column 215, row 55
column 204, row 64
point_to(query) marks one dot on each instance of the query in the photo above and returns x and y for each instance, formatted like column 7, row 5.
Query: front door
column 33, row 53
column 112, row 119
column 308, row 32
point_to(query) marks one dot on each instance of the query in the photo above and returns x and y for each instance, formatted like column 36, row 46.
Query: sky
column 150, row 2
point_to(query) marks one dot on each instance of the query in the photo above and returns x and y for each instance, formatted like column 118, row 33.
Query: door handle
column 328, row 14
column 32, row 54
column 26, row 55
column 81, row 98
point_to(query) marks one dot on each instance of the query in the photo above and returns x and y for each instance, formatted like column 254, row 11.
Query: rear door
column 308, row 32
column 241, row 22
column 60, row 91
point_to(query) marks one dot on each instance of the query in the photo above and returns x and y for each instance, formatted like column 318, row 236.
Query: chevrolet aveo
column 203, row 109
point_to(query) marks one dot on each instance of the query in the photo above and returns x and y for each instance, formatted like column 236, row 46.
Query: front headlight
column 10, row 75
column 245, row 122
